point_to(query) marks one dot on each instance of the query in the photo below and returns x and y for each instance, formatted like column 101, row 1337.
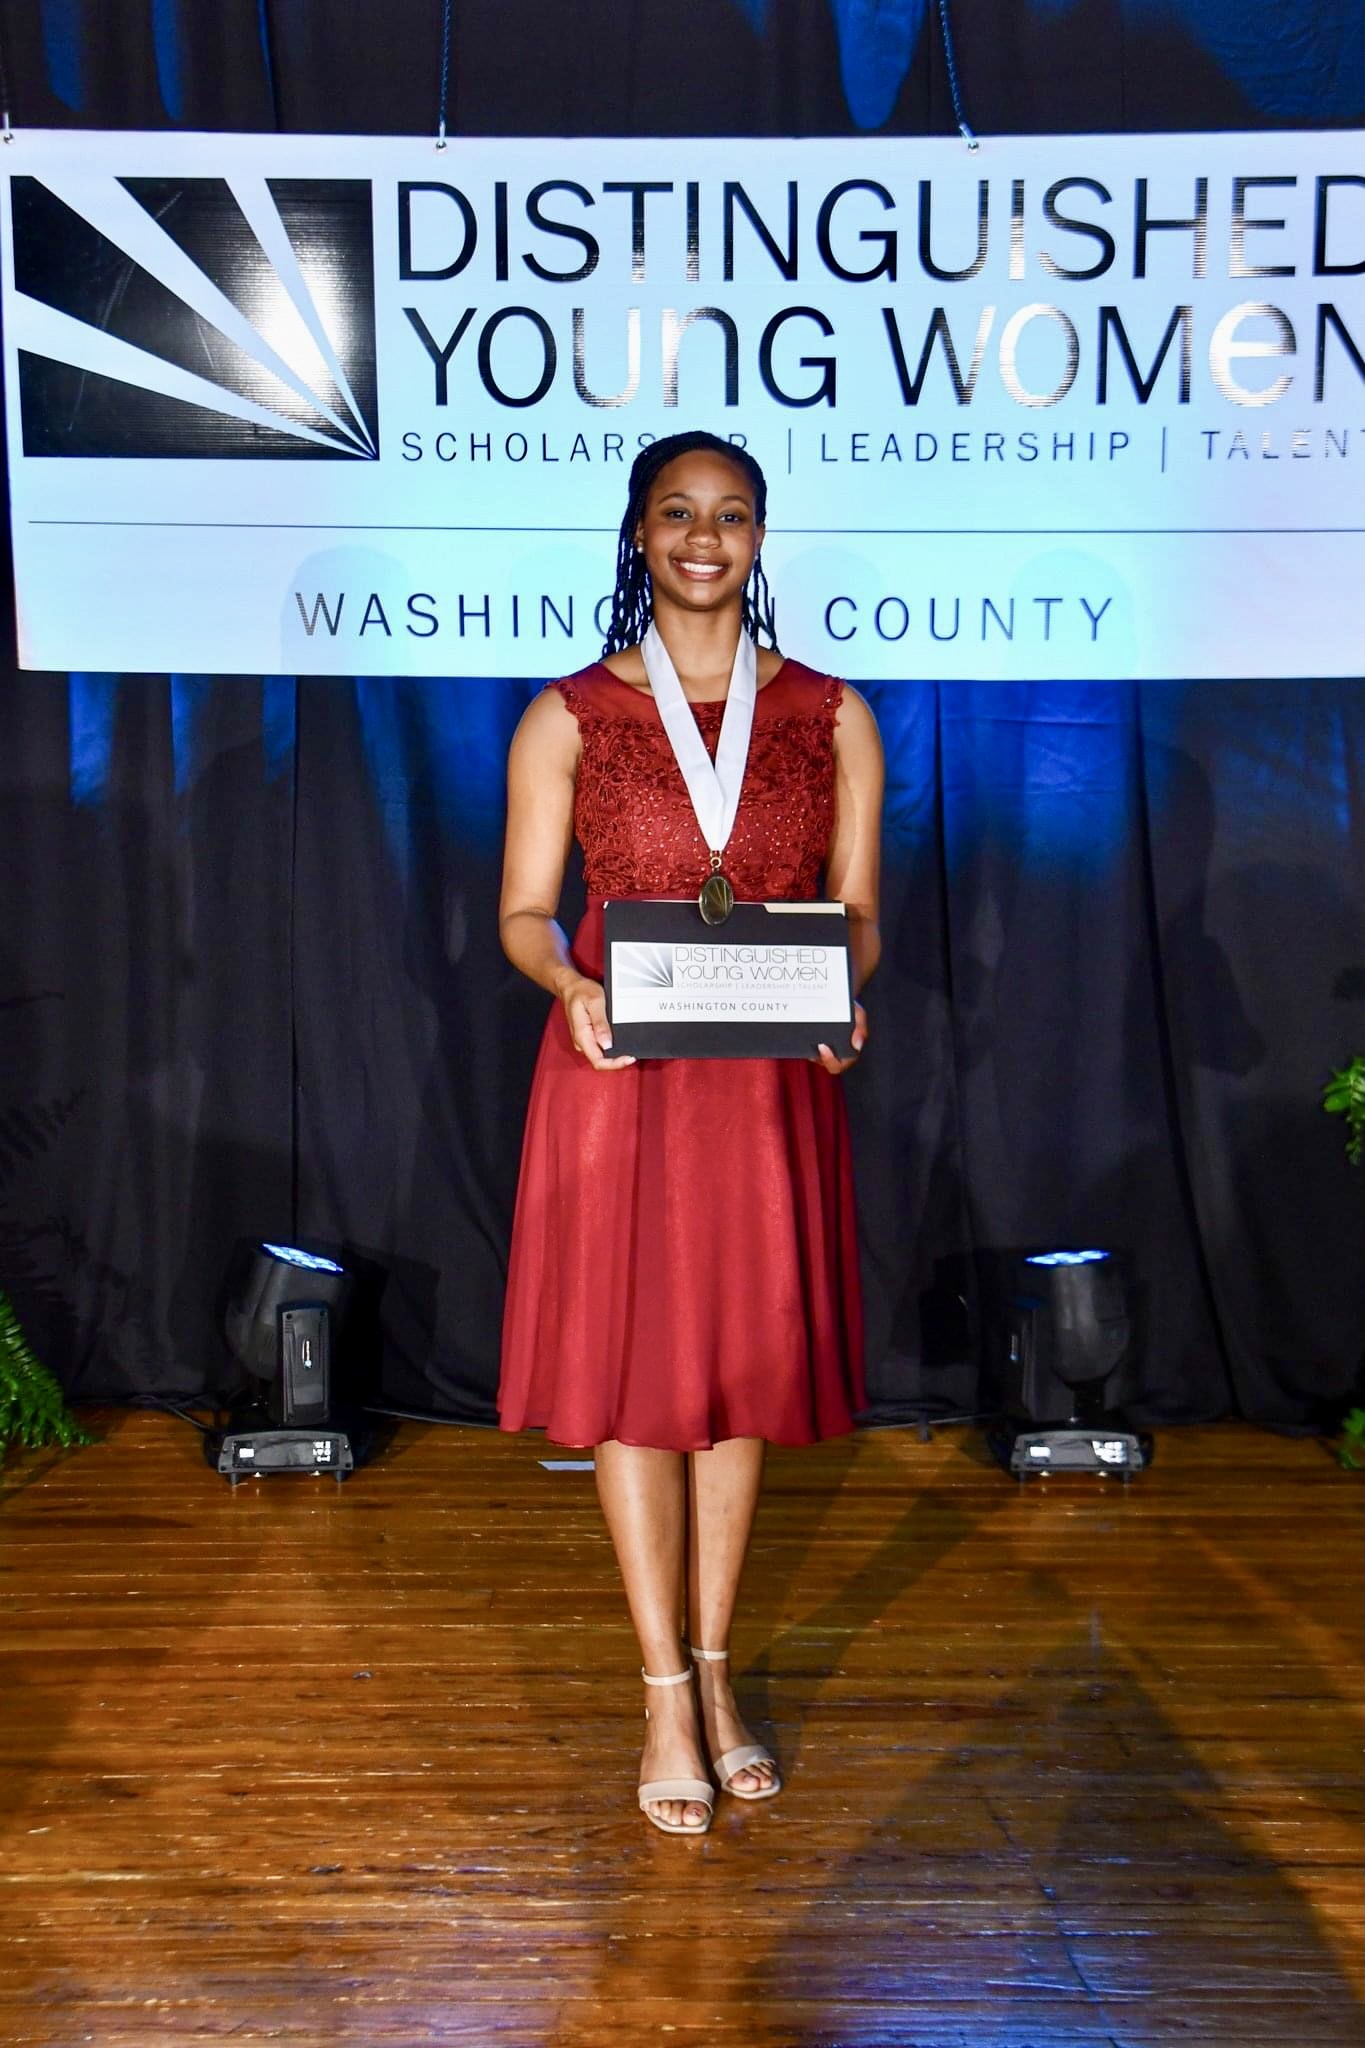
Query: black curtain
column 249, row 972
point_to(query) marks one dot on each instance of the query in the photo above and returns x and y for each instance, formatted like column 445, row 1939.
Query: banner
column 1079, row 406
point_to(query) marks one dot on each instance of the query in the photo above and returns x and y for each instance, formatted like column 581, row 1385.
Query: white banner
column 1078, row 406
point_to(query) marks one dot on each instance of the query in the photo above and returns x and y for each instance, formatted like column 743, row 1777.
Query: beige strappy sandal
column 734, row 1761
column 698, row 1789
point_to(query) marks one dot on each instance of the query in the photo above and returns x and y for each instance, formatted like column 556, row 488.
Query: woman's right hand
column 585, row 1006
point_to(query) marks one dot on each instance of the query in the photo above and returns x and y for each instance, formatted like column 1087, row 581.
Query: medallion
column 717, row 898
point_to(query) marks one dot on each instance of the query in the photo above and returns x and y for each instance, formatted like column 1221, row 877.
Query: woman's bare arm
column 541, row 770
column 853, row 865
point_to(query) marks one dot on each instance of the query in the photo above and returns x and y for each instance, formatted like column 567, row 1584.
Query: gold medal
column 717, row 898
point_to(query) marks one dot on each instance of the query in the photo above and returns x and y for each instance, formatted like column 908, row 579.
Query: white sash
column 713, row 786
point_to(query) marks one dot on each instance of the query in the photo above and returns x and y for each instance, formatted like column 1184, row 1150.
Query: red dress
column 684, row 1262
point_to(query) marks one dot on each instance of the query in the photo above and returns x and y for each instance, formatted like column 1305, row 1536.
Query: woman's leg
column 722, row 1495
column 643, row 1498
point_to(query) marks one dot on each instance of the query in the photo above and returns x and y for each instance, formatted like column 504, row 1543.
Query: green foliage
column 32, row 1410
column 1351, row 1446
column 1344, row 1095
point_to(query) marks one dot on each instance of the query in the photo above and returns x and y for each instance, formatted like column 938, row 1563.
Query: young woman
column 683, row 1284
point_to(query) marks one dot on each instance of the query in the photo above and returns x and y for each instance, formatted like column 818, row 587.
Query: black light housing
column 1070, row 1340
column 280, row 1324
column 283, row 1308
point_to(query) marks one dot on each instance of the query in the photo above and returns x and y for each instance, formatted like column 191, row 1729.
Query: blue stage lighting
column 1065, row 1258
column 283, row 1309
column 1071, row 1359
column 292, row 1256
column 279, row 1324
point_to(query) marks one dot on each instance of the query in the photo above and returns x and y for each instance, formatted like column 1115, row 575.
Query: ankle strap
column 710, row 1656
column 679, row 1678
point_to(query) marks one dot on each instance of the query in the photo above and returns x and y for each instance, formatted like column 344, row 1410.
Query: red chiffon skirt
column 684, row 1261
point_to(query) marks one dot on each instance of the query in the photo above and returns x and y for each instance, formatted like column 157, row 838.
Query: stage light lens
column 292, row 1256
column 1064, row 1258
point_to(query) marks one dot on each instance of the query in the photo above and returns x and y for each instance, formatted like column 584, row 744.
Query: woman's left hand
column 827, row 1059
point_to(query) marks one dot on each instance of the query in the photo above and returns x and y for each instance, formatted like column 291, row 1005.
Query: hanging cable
column 954, row 84
column 445, row 75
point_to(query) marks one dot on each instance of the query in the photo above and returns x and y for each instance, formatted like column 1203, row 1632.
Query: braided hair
column 632, row 605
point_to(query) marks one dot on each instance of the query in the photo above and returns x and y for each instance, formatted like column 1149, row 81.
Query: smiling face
column 698, row 533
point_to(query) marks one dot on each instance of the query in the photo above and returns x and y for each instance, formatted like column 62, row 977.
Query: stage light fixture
column 1070, row 1357
column 282, row 1315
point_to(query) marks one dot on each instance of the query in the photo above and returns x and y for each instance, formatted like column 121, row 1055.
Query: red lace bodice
column 634, row 819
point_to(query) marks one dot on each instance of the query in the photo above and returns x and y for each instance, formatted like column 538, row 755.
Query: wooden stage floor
column 1072, row 1767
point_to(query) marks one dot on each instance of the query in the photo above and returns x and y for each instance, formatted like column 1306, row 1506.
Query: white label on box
column 719, row 981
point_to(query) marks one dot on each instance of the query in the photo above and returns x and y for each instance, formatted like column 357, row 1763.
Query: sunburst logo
column 195, row 316
column 635, row 964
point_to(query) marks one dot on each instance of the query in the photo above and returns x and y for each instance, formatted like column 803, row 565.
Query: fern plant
column 1351, row 1446
column 33, row 1410
column 1344, row 1095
